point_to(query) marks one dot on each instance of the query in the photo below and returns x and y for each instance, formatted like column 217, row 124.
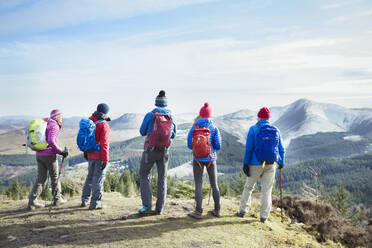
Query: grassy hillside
column 120, row 226
column 322, row 145
column 355, row 172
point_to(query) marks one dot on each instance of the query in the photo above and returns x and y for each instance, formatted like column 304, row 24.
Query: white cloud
column 6, row 4
column 44, row 15
column 347, row 18
column 126, row 71
column 337, row 4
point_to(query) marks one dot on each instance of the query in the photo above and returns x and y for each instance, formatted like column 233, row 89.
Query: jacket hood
column 100, row 115
column 203, row 122
column 263, row 123
column 161, row 110
column 51, row 121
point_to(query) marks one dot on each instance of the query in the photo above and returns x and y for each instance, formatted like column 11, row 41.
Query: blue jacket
column 148, row 121
column 250, row 156
column 215, row 138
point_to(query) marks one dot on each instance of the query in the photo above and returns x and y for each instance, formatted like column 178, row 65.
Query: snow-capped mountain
column 72, row 122
column 185, row 117
column 301, row 117
column 127, row 121
column 308, row 117
column 237, row 123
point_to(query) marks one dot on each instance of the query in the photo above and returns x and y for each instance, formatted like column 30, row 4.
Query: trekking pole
column 59, row 173
column 210, row 190
column 210, row 187
column 47, row 183
column 281, row 194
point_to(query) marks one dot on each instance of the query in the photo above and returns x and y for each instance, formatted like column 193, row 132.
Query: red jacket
column 102, row 138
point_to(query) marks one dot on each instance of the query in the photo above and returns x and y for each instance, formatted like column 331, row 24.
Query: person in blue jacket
column 151, row 155
column 254, row 169
column 198, row 166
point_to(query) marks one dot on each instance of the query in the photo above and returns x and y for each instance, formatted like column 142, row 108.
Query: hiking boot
column 216, row 212
column 240, row 214
column 262, row 220
column 158, row 212
column 59, row 201
column 144, row 210
column 195, row 214
column 34, row 205
column 84, row 204
column 97, row 206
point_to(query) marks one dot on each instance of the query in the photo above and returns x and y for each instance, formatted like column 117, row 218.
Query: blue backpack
column 267, row 144
column 86, row 138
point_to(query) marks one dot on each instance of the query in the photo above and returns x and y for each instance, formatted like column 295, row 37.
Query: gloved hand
column 86, row 155
column 64, row 153
column 108, row 119
column 246, row 170
column 281, row 166
column 103, row 165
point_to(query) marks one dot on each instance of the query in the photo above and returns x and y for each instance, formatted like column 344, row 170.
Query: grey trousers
column 198, row 179
column 94, row 182
column 147, row 161
column 45, row 164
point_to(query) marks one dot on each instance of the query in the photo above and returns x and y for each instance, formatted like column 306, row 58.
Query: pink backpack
column 161, row 131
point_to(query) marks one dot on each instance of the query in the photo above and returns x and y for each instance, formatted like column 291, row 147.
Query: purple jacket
column 52, row 132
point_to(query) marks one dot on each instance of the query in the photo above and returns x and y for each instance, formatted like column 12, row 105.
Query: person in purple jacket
column 47, row 161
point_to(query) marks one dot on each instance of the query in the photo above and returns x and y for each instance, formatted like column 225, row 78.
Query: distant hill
column 127, row 121
column 323, row 145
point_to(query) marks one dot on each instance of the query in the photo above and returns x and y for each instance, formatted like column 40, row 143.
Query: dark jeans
column 147, row 161
column 198, row 179
column 94, row 182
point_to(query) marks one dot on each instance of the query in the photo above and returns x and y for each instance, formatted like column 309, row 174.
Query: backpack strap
column 99, row 121
column 197, row 161
column 259, row 128
column 209, row 164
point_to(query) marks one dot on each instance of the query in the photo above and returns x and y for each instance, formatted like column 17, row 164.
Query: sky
column 233, row 54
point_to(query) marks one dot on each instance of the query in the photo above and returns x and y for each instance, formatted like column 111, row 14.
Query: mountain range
column 302, row 117
column 321, row 135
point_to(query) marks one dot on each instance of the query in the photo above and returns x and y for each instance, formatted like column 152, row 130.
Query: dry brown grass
column 325, row 221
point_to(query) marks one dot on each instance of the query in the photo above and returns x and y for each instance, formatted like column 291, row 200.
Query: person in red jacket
column 97, row 161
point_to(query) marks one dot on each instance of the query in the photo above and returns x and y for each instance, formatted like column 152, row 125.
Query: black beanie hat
column 161, row 99
column 103, row 108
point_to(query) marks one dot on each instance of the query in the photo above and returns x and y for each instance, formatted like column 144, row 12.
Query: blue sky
column 74, row 54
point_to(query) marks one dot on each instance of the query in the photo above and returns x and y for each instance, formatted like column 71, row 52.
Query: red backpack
column 161, row 131
column 201, row 144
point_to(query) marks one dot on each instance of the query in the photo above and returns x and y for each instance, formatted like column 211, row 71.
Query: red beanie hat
column 205, row 111
column 264, row 113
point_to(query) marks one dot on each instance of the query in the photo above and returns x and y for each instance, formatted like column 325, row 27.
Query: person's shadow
column 80, row 232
